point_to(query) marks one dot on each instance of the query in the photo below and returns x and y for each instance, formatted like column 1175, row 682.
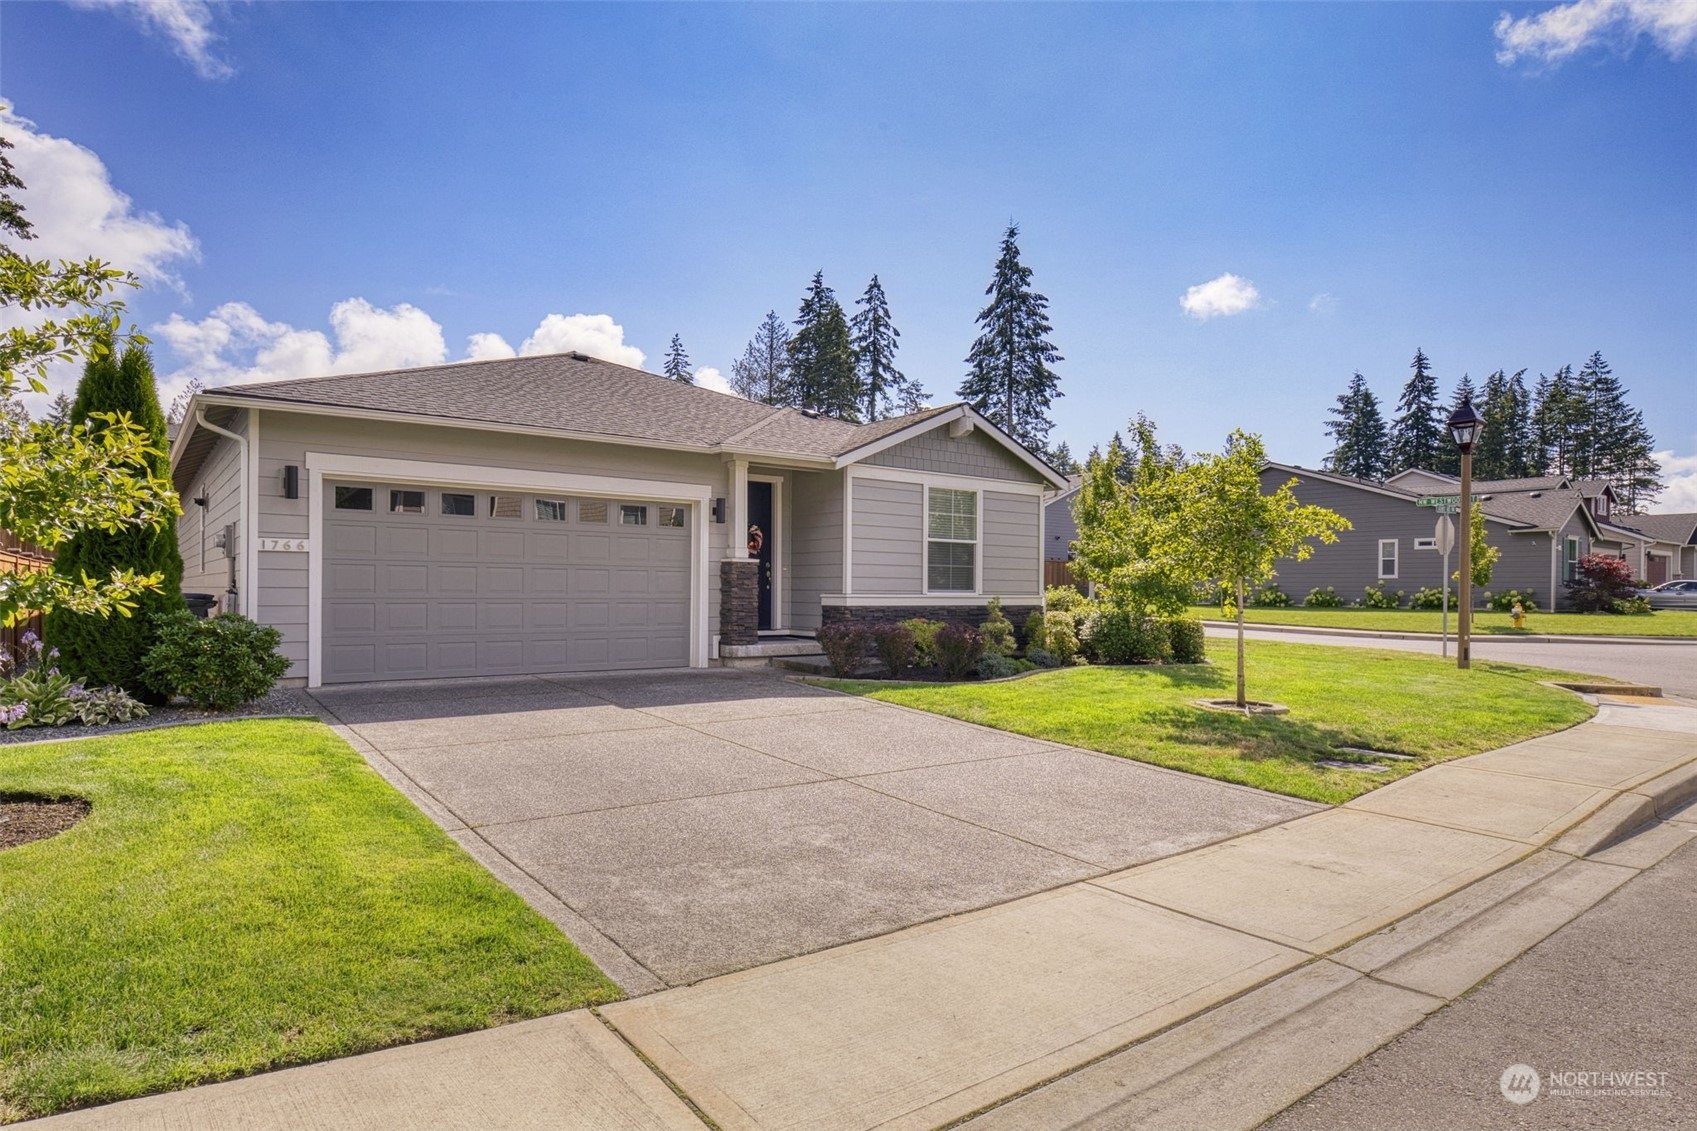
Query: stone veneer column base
column 739, row 601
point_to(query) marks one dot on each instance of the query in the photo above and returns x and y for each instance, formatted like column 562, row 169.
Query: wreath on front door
column 756, row 541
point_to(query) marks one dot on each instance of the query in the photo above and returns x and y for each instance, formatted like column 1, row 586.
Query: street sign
column 1444, row 535
column 1446, row 504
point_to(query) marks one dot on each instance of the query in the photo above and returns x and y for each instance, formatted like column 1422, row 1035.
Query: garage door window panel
column 506, row 506
column 551, row 510
column 406, row 502
column 633, row 515
column 458, row 505
column 353, row 498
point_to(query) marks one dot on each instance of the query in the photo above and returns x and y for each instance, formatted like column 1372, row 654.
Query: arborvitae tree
column 677, row 362
column 822, row 361
column 1011, row 381
column 884, row 388
column 762, row 372
column 1555, row 416
column 1417, row 434
column 1449, row 457
column 1358, row 434
column 109, row 650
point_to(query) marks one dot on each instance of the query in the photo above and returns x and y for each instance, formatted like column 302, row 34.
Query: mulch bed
column 23, row 819
column 282, row 701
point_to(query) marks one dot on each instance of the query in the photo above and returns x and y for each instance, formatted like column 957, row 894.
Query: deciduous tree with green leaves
column 59, row 479
column 1124, row 525
column 1482, row 556
column 1222, row 525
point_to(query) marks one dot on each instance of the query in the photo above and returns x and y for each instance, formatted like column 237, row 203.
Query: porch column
column 739, row 576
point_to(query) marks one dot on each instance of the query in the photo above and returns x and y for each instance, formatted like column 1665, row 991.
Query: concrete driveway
column 686, row 824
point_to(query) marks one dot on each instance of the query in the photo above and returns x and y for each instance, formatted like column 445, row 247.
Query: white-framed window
column 1425, row 543
column 951, row 540
column 1569, row 558
column 1387, row 558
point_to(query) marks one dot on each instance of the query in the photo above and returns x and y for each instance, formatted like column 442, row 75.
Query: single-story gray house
column 562, row 513
column 1543, row 527
column 1678, row 533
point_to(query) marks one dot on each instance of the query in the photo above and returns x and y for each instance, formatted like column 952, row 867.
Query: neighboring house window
column 464, row 505
column 353, row 498
column 1570, row 559
column 406, row 502
column 951, row 545
column 591, row 511
column 506, row 506
column 1425, row 543
column 671, row 516
column 633, row 515
column 1387, row 558
column 551, row 510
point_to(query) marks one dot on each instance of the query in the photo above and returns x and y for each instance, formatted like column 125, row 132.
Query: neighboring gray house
column 561, row 513
column 1059, row 529
column 1542, row 526
column 1677, row 533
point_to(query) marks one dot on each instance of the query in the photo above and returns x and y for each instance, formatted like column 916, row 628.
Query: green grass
column 1665, row 622
column 245, row 896
column 1393, row 701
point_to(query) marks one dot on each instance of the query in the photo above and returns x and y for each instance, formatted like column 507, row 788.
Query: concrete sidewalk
column 1208, row 989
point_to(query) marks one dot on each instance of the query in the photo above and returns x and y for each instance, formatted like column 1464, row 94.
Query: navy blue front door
column 761, row 544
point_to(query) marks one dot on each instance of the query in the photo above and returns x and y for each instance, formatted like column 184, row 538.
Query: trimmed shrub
column 1060, row 635
column 958, row 650
column 1430, row 598
column 998, row 631
column 1043, row 658
column 1631, row 606
column 894, row 645
column 1269, row 596
column 1504, row 602
column 1116, row 636
column 1063, row 599
column 1326, row 598
column 1377, row 598
column 844, row 646
column 1188, row 643
column 992, row 665
column 217, row 663
column 924, row 640
column 112, row 649
column 1034, row 631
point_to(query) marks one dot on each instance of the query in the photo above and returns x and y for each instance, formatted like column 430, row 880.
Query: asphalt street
column 1612, row 991
column 1672, row 667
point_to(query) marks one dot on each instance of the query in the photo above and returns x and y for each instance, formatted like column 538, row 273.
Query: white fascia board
column 939, row 479
column 959, row 412
column 336, row 465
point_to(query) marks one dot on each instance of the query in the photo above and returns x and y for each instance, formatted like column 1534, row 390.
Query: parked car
column 1672, row 595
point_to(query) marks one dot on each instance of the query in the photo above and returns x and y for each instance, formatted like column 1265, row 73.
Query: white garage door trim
column 334, row 465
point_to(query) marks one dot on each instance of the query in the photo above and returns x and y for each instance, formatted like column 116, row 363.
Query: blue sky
column 1376, row 177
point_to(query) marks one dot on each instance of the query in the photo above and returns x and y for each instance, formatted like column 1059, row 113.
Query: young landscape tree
column 1222, row 526
column 823, row 375
column 94, row 648
column 1358, row 433
column 762, row 372
column 1011, row 380
column 885, row 390
column 58, row 479
column 677, row 362
column 1417, row 434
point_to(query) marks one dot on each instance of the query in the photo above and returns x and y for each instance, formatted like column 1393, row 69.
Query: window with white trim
column 1387, row 558
column 1425, row 543
column 1570, row 558
column 951, row 540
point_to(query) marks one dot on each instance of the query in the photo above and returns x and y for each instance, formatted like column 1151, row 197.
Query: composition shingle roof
column 1501, row 486
column 571, row 392
column 1680, row 529
column 1540, row 509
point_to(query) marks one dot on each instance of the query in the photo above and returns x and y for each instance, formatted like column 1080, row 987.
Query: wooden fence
column 20, row 557
column 1060, row 573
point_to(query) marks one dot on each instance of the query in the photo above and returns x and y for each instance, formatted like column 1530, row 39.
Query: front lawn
column 245, row 896
column 1391, row 701
column 1665, row 622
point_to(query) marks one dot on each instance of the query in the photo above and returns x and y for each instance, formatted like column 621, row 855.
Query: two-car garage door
column 424, row 582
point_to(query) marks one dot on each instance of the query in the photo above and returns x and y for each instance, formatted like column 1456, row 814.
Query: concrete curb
column 1478, row 637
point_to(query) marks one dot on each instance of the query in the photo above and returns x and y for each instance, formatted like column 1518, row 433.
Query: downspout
column 245, row 529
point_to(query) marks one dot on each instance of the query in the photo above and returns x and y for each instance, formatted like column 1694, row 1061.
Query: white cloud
column 1556, row 34
column 488, row 347
column 1218, row 298
column 594, row 334
column 709, row 378
column 185, row 24
column 1680, row 475
column 78, row 213
column 1323, row 303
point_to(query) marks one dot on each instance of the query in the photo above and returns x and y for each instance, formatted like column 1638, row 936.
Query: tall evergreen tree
column 1449, row 458
column 677, row 362
column 1556, row 415
column 823, row 375
column 1496, row 408
column 109, row 650
column 1358, row 434
column 1520, row 454
column 1011, row 381
column 1062, row 460
column 1417, row 433
column 1611, row 440
column 885, row 388
column 762, row 372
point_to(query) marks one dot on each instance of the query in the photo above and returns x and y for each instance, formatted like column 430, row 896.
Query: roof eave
column 959, row 412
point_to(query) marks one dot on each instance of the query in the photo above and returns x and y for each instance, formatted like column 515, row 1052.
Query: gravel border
column 282, row 702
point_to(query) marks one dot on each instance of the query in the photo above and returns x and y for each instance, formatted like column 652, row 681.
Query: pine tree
column 1448, row 461
column 1610, row 440
column 1011, row 381
column 1520, row 454
column 1496, row 408
column 59, row 410
column 762, row 372
column 677, row 362
column 885, row 389
column 822, row 361
column 1358, row 433
column 109, row 650
column 1417, row 434
column 1555, row 416
column 1060, row 458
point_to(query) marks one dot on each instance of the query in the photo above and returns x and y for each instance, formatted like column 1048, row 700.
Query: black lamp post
column 1465, row 426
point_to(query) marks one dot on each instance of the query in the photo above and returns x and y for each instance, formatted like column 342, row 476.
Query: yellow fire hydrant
column 1519, row 615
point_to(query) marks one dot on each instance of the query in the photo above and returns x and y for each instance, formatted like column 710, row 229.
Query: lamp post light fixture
column 1465, row 427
